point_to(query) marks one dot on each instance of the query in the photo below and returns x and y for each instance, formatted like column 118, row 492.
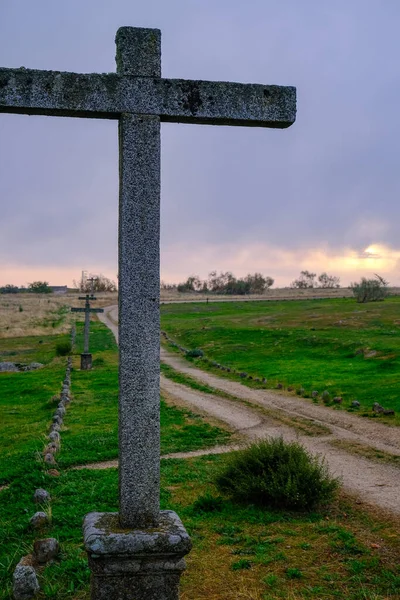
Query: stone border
column 325, row 396
column 25, row 581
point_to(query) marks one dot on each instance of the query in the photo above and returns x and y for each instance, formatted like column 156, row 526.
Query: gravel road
column 257, row 413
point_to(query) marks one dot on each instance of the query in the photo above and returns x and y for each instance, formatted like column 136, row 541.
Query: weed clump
column 195, row 353
column 277, row 474
column 63, row 348
column 207, row 503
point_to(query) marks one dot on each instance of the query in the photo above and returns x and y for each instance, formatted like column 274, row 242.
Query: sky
column 322, row 195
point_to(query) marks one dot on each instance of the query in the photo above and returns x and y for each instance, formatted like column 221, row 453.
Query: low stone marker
column 86, row 357
column 137, row 554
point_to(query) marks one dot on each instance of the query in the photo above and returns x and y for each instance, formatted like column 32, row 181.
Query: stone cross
column 86, row 363
column 140, row 99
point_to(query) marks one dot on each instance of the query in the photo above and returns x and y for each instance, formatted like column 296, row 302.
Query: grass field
column 240, row 552
column 351, row 350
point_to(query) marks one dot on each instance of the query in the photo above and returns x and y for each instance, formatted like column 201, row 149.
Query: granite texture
column 25, row 582
column 108, row 95
column 45, row 550
column 139, row 289
column 86, row 361
column 138, row 51
column 140, row 564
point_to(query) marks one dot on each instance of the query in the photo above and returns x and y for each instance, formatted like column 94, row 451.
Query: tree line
column 223, row 283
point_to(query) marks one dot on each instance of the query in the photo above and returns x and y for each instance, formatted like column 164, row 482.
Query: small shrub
column 195, row 353
column 63, row 348
column 270, row 580
column 370, row 290
column 241, row 564
column 21, row 308
column 278, row 474
column 294, row 573
column 208, row 503
column 99, row 361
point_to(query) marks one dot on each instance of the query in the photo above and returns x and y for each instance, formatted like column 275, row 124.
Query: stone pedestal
column 135, row 564
column 86, row 361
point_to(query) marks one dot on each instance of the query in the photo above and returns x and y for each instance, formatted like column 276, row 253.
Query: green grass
column 91, row 426
column 351, row 350
column 239, row 551
column 26, row 405
column 317, row 555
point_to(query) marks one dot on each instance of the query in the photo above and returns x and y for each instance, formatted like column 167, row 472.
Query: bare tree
column 95, row 283
column 305, row 281
column 328, row 281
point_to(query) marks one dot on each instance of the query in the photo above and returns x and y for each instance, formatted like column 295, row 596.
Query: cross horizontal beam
column 108, row 95
column 94, row 310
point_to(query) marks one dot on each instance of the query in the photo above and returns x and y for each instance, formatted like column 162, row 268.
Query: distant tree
column 305, row 281
column 9, row 289
column 167, row 286
column 370, row 290
column 101, row 283
column 328, row 281
column 258, row 283
column 40, row 287
column 192, row 284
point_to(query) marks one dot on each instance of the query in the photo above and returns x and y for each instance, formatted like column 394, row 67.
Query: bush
column 195, row 353
column 208, row 504
column 277, row 474
column 40, row 287
column 370, row 290
column 63, row 348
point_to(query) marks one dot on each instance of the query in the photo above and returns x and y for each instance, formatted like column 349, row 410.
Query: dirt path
column 376, row 483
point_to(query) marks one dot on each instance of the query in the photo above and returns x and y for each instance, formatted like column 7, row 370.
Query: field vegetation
column 342, row 550
column 348, row 350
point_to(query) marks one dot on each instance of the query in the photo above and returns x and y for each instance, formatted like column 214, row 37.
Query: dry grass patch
column 379, row 456
column 28, row 314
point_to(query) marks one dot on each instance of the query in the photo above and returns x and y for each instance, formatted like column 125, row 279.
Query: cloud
column 319, row 192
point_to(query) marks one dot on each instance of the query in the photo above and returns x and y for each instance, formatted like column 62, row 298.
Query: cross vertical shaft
column 87, row 326
column 139, row 54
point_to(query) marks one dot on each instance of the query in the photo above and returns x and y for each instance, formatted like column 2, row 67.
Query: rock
column 355, row 404
column 314, row 394
column 60, row 411
column 41, row 496
column 53, row 473
column 228, row 369
column 51, row 448
column 243, row 375
column 249, row 377
column 388, row 411
column 264, row 380
column 35, row 365
column 45, row 550
column 377, row 408
column 49, row 459
column 25, row 583
column 338, row 400
column 279, row 386
column 54, row 436
column 55, row 427
column 39, row 520
column 370, row 354
column 57, row 419
column 8, row 367
column 290, row 389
